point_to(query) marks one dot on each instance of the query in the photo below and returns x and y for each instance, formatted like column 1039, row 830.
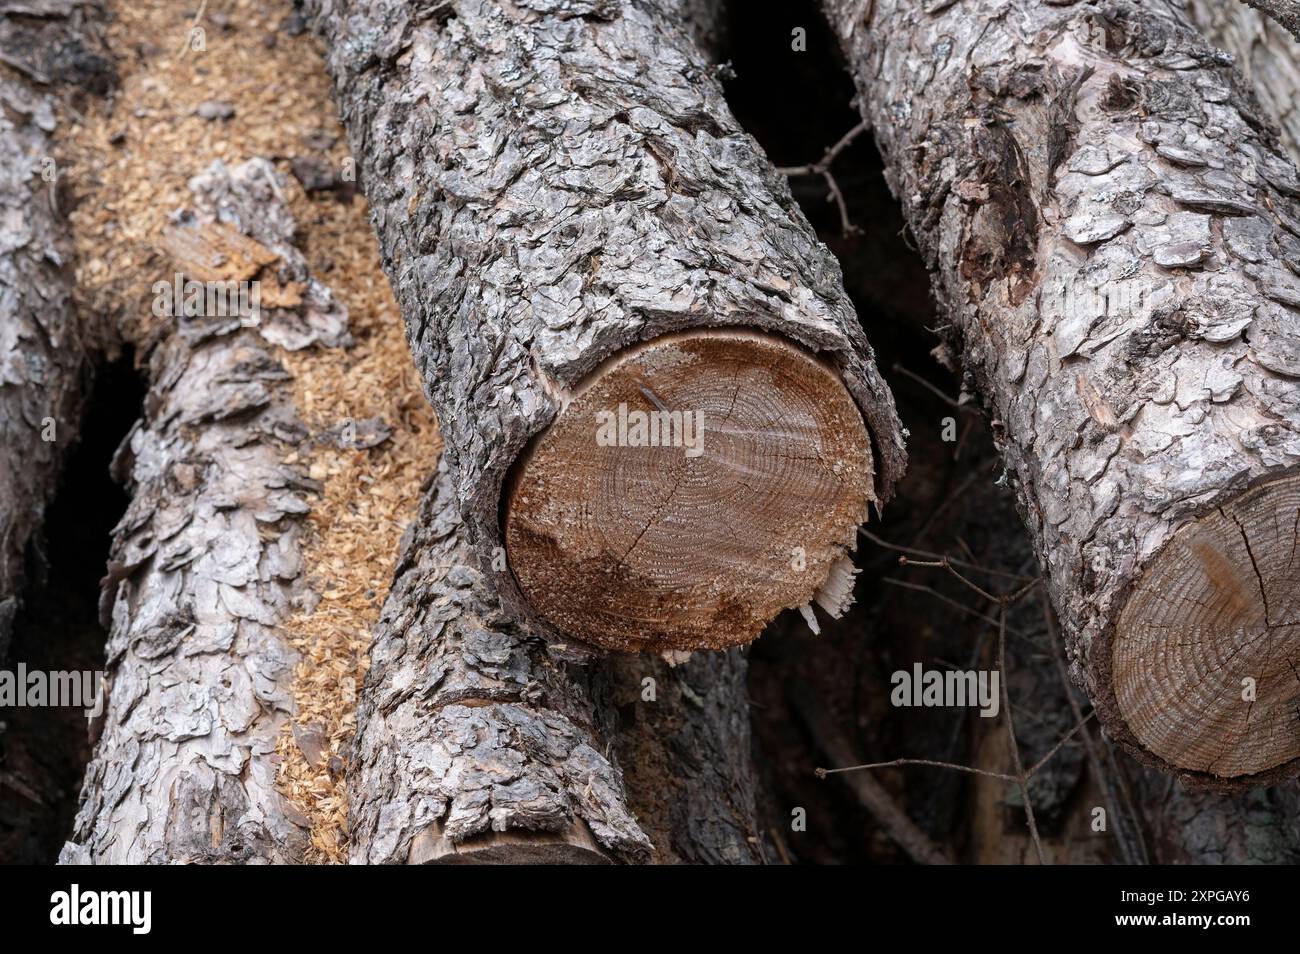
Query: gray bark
column 1266, row 53
column 48, row 48
column 472, row 744
column 1285, row 12
column 1051, row 155
column 205, row 567
column 1259, row 827
column 687, row 753
column 552, row 182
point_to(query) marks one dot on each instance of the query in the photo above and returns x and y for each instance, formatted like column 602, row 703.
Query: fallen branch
column 206, row 563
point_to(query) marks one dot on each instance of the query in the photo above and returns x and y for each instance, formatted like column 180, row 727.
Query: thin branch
column 1021, row 778
column 823, row 168
column 823, row 772
column 1083, row 721
column 871, row 795
column 929, row 555
column 934, row 389
column 189, row 34
column 941, row 598
column 945, row 563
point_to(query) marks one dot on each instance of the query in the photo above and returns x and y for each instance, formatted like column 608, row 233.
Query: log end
column 1205, row 658
column 689, row 491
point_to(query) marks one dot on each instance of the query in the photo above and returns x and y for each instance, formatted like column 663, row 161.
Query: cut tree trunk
column 475, row 746
column 635, row 344
column 472, row 745
column 1113, row 231
column 47, row 48
column 1266, row 53
column 206, row 564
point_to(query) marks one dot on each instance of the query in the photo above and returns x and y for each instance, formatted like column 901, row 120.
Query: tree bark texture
column 206, row 564
column 47, row 49
column 1112, row 231
column 1284, row 12
column 1259, row 827
column 475, row 745
column 682, row 732
column 472, row 744
column 1267, row 54
column 553, row 183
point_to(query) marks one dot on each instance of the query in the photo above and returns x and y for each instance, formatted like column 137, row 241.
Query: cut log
column 475, row 746
column 47, row 49
column 206, row 564
column 1109, row 223
column 472, row 745
column 1266, row 53
column 568, row 214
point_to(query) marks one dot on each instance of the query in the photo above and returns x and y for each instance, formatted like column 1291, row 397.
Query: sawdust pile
column 259, row 88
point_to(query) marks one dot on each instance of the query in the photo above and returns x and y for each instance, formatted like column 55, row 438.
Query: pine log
column 575, row 225
column 1109, row 223
column 472, row 745
column 475, row 746
column 1265, row 53
column 206, row 564
column 47, row 49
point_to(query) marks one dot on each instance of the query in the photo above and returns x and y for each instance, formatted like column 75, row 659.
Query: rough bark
column 1109, row 223
column 206, row 564
column 682, row 732
column 472, row 744
column 1284, row 12
column 47, row 49
column 1267, row 54
column 1260, row 827
column 475, row 745
column 553, row 184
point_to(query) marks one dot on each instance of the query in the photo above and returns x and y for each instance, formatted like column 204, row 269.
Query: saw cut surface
column 1220, row 605
column 693, row 488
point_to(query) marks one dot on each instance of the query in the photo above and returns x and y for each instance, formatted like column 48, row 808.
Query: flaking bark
column 472, row 744
column 1265, row 53
column 553, row 182
column 206, row 564
column 48, row 49
column 1051, row 157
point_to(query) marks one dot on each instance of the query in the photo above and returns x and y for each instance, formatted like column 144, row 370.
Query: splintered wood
column 252, row 86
